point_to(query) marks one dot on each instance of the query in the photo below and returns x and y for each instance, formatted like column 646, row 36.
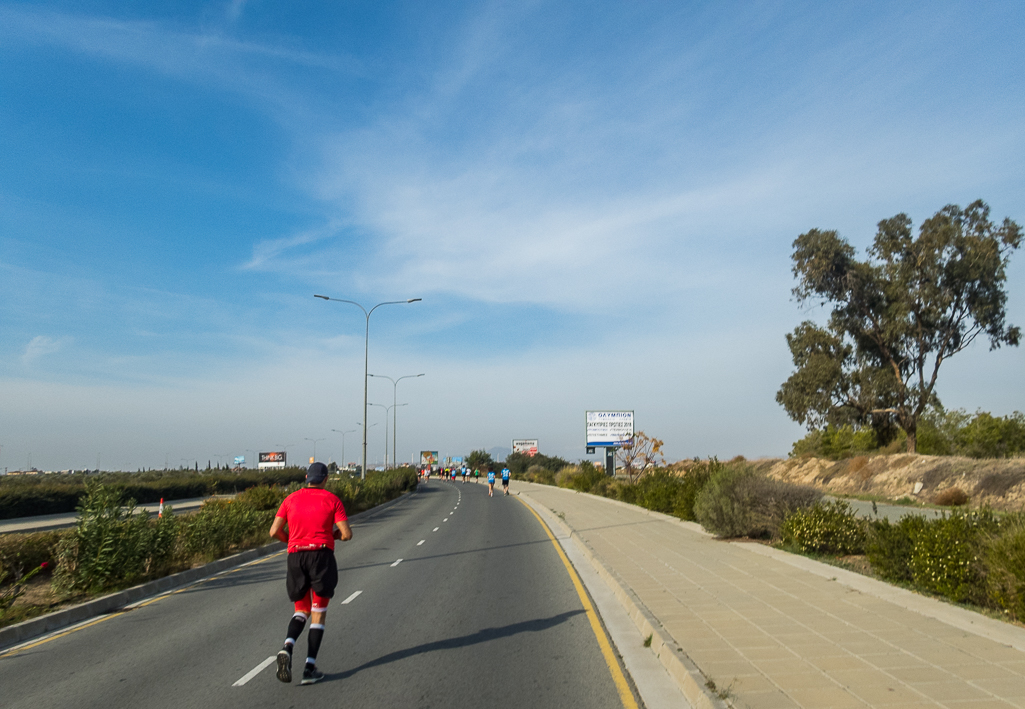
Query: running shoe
column 285, row 666
column 311, row 675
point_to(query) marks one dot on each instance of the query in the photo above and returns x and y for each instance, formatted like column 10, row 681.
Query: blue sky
column 596, row 203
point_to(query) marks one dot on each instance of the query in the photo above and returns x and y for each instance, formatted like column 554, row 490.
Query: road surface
column 447, row 598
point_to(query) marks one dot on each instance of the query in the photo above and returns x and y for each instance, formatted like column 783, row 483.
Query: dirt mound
column 998, row 483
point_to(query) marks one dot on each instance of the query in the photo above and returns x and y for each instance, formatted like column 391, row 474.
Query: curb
column 687, row 676
column 26, row 630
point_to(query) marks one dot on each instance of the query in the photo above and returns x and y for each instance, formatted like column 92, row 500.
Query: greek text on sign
column 527, row 446
column 609, row 428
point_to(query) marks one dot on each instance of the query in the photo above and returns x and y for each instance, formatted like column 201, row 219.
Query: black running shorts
column 311, row 569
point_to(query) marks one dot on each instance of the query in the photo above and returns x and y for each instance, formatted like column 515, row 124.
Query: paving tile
column 833, row 697
column 950, row 691
column 888, row 694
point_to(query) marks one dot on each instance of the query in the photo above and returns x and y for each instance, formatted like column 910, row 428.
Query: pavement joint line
column 687, row 675
column 52, row 626
column 622, row 686
column 351, row 598
column 255, row 671
column 397, row 562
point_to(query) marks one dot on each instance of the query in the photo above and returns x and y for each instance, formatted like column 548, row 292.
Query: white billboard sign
column 610, row 428
column 526, row 446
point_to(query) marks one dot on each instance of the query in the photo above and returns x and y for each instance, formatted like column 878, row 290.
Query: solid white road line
column 421, row 542
column 397, row 563
column 351, row 598
column 255, row 671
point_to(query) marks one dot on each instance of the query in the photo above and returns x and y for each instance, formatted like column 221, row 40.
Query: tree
column 480, row 460
column 643, row 451
column 896, row 317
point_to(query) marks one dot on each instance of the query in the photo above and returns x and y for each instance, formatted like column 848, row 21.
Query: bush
column 951, row 497
column 889, row 546
column 1005, row 567
column 736, row 501
column 836, row 442
column 108, row 546
column 829, row 528
column 20, row 553
column 945, row 556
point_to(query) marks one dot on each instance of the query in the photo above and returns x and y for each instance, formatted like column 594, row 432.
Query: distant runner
column 491, row 483
column 315, row 518
column 505, row 480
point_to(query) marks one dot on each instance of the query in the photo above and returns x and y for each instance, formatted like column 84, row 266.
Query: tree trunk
column 912, row 439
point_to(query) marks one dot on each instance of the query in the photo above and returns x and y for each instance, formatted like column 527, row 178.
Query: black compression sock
column 295, row 629
column 313, row 640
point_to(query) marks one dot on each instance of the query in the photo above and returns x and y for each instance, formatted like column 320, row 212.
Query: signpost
column 609, row 430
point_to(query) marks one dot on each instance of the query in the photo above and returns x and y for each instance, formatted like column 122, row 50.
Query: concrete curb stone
column 24, row 631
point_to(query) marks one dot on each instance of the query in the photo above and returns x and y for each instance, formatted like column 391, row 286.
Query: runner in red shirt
column 315, row 518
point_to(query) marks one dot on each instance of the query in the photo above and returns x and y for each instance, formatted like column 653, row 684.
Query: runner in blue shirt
column 491, row 483
column 505, row 480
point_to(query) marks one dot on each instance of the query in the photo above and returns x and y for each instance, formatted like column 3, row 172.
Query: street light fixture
column 386, row 410
column 314, row 445
column 395, row 398
column 366, row 358
column 343, row 442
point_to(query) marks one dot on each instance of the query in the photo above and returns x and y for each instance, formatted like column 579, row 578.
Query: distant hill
column 499, row 454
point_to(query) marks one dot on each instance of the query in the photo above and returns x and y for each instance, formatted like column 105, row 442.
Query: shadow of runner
column 481, row 636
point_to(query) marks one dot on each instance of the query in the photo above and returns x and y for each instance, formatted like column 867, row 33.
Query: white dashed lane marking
column 421, row 542
column 436, row 529
column 445, row 520
column 397, row 562
column 351, row 598
column 255, row 671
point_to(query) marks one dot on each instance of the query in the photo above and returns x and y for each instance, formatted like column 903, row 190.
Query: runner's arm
column 342, row 530
column 277, row 529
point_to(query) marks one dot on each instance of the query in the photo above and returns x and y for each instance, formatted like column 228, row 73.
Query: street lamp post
column 395, row 398
column 366, row 358
column 363, row 473
column 314, row 445
column 343, row 442
column 286, row 447
column 385, row 432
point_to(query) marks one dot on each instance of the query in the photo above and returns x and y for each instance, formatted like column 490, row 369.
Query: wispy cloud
column 40, row 346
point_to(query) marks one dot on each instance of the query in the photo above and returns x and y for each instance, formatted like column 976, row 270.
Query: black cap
column 316, row 473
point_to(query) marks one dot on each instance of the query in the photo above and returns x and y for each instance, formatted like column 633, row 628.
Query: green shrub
column 836, row 442
column 825, row 528
column 19, row 553
column 945, row 556
column 262, row 497
column 736, row 502
column 1005, row 566
column 109, row 545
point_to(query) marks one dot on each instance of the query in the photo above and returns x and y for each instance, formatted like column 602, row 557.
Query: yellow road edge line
column 625, row 695
column 118, row 611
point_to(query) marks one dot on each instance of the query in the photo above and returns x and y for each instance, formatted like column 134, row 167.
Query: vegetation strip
column 112, row 547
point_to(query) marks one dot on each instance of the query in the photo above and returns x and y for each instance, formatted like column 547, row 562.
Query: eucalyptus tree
column 896, row 316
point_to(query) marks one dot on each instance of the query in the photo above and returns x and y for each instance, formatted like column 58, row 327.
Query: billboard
column 428, row 458
column 274, row 459
column 240, row 460
column 526, row 446
column 609, row 428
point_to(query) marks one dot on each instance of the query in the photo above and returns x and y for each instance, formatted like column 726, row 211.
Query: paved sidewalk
column 779, row 630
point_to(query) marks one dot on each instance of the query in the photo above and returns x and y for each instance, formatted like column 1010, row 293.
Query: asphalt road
column 454, row 600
